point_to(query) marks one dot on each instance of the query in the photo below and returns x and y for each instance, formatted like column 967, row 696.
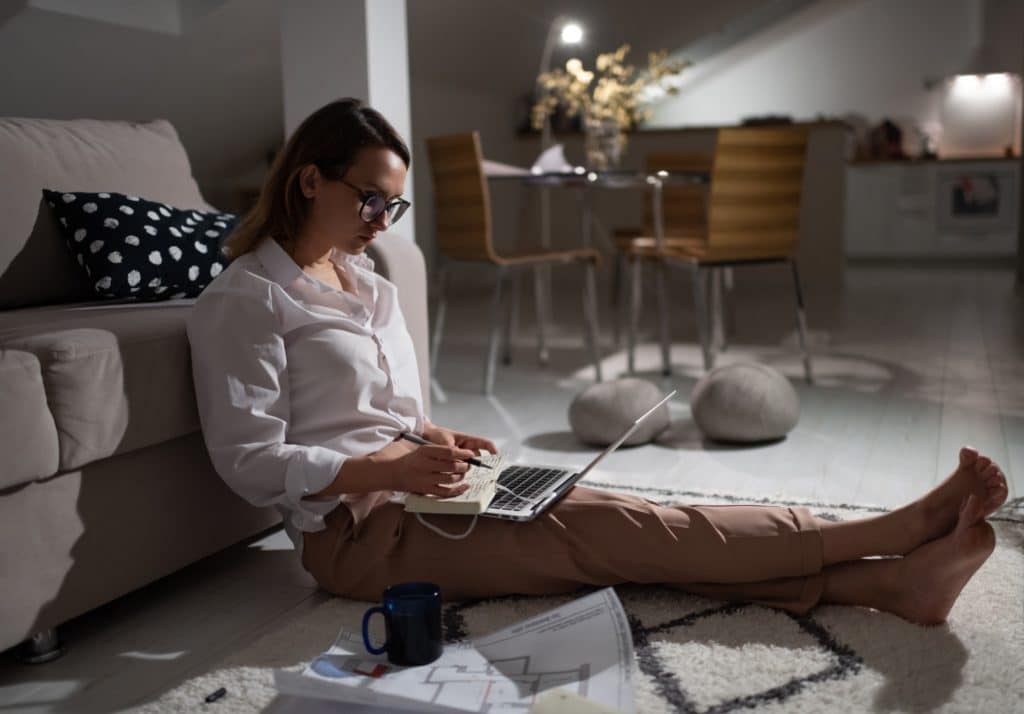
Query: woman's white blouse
column 293, row 376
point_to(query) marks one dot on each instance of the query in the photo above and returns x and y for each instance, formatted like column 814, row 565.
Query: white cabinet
column 924, row 209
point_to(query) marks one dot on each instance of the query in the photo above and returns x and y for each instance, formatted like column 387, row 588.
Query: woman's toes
column 982, row 463
column 972, row 510
column 968, row 455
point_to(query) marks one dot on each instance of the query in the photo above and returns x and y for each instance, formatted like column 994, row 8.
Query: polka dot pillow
column 131, row 247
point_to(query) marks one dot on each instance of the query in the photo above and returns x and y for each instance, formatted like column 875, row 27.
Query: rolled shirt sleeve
column 239, row 366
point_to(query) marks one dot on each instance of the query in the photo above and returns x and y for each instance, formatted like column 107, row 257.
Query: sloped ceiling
column 172, row 17
column 218, row 82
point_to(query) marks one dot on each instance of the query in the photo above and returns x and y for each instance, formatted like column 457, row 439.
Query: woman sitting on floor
column 305, row 376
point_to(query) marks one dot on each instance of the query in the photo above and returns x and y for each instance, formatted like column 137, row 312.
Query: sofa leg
column 41, row 647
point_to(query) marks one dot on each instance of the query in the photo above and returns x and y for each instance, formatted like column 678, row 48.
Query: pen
column 409, row 436
column 214, row 696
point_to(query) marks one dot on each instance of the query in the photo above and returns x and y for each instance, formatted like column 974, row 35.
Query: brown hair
column 329, row 138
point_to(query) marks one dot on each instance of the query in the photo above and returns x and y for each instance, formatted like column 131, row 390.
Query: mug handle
column 366, row 634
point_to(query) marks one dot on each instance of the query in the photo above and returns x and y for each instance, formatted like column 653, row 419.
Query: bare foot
column 936, row 513
column 931, row 577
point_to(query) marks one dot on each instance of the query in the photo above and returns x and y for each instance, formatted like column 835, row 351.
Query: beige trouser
column 766, row 554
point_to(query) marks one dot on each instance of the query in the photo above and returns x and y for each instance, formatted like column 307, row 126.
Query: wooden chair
column 462, row 218
column 749, row 214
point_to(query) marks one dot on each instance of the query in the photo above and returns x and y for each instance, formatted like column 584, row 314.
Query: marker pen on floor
column 214, row 696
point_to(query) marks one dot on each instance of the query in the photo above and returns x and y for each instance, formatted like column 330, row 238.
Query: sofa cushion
column 143, row 159
column 133, row 247
column 117, row 377
column 28, row 436
column 744, row 402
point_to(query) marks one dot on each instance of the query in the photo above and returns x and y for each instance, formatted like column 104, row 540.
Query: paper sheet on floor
column 584, row 647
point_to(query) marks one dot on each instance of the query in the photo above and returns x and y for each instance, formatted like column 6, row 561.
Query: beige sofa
column 105, row 484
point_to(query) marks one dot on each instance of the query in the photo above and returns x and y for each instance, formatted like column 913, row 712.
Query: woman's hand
column 447, row 437
column 434, row 470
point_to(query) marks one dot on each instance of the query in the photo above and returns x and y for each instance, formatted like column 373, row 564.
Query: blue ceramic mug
column 412, row 620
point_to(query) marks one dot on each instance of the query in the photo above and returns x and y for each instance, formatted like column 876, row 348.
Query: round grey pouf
column 601, row 412
column 744, row 402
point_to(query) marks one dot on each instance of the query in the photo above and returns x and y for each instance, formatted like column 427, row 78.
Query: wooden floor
column 910, row 365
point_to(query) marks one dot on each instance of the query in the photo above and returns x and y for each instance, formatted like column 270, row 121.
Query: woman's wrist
column 362, row 474
column 386, row 474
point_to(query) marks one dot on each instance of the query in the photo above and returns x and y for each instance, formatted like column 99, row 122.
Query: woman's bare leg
column 928, row 518
column 922, row 586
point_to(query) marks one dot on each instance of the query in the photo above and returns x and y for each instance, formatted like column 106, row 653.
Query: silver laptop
column 525, row 492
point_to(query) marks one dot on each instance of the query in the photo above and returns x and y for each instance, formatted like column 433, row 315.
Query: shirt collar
column 361, row 261
column 285, row 272
column 279, row 265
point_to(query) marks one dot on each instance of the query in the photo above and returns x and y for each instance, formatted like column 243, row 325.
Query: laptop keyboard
column 526, row 482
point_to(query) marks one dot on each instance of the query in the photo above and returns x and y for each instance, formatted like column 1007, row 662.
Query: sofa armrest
column 401, row 261
column 29, row 448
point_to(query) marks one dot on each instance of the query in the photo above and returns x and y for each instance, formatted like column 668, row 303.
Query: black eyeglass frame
column 395, row 208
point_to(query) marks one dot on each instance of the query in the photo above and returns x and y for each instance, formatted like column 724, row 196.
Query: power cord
column 451, row 536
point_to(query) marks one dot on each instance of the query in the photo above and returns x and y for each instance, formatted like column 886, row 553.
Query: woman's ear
column 309, row 181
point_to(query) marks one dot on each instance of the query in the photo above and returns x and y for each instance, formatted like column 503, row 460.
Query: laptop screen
column 625, row 435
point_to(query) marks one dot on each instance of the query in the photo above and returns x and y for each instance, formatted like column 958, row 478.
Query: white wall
column 348, row 48
column 323, row 55
column 858, row 58
column 218, row 82
column 388, row 82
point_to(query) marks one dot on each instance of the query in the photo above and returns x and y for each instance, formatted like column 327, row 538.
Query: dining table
column 585, row 182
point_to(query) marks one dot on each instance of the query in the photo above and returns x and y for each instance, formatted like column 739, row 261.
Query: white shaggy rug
column 697, row 655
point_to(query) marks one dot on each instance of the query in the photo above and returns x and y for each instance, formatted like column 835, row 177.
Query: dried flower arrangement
column 616, row 101
column 618, row 95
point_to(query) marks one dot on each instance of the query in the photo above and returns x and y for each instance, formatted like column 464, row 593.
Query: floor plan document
column 583, row 646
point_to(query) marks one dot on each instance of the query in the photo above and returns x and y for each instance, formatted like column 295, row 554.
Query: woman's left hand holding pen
column 435, row 470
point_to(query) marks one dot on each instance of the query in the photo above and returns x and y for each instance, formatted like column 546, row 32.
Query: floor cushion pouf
column 601, row 412
column 744, row 402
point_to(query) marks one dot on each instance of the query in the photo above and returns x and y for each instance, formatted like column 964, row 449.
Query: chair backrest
column 754, row 202
column 683, row 205
column 462, row 202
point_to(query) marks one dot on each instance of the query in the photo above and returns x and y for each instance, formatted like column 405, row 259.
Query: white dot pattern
column 131, row 247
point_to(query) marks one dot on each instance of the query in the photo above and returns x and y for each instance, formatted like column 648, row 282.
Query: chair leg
column 539, row 306
column 701, row 313
column 801, row 323
column 493, row 339
column 512, row 317
column 441, row 286
column 590, row 314
column 666, row 360
column 635, row 288
column 729, row 308
column 619, row 288
column 717, row 320
column 546, row 305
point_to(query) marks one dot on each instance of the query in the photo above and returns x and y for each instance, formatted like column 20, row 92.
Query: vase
column 603, row 143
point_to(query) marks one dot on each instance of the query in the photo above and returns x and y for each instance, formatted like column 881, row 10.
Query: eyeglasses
column 375, row 205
